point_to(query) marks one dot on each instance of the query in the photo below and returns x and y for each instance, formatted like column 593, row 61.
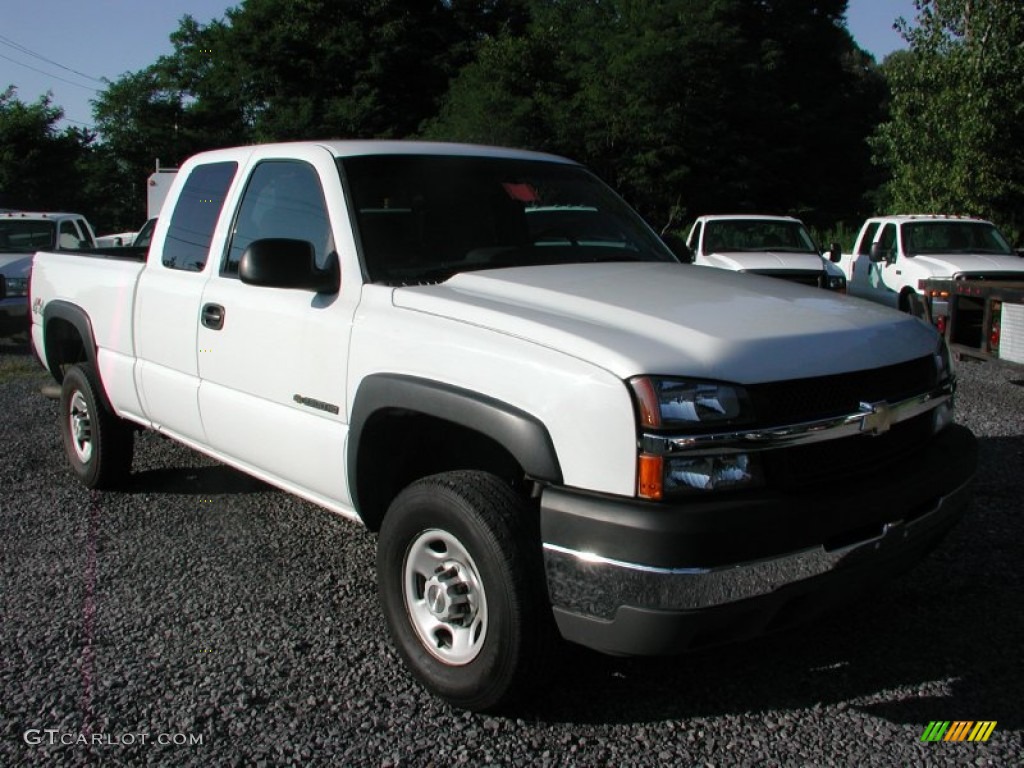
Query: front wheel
column 459, row 585
column 98, row 444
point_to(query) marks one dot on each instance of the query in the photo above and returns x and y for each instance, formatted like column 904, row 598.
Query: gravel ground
column 203, row 618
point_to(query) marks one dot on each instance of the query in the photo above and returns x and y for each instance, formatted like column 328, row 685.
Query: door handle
column 213, row 316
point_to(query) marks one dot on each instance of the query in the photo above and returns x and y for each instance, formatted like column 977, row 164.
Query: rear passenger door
column 272, row 369
column 167, row 302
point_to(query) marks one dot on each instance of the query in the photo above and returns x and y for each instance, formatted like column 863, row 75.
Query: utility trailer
column 979, row 318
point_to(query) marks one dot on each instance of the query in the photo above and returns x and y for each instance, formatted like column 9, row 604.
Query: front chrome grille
column 801, row 400
column 849, row 457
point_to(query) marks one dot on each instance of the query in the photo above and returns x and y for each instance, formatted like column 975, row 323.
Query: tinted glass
column 187, row 245
column 26, row 235
column 425, row 218
column 283, row 198
column 737, row 235
column 888, row 239
column 69, row 238
column 954, row 237
column 869, row 238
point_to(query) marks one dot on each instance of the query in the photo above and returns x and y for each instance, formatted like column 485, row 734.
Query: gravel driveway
column 203, row 618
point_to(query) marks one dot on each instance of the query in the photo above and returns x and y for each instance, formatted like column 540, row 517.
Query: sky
column 68, row 47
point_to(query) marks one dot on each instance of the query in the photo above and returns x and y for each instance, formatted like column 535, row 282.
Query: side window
column 68, row 237
column 195, row 216
column 86, row 236
column 694, row 240
column 888, row 239
column 868, row 239
column 283, row 198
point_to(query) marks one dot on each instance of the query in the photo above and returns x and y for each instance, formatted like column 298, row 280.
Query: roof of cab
column 358, row 147
column 39, row 215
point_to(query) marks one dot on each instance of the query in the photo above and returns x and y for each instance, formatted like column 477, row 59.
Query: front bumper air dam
column 607, row 595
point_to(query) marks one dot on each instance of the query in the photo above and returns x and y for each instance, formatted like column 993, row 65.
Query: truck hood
column 15, row 264
column 676, row 319
column 948, row 265
column 755, row 261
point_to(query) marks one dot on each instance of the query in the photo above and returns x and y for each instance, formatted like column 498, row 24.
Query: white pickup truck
column 893, row 254
column 483, row 355
column 779, row 246
column 22, row 233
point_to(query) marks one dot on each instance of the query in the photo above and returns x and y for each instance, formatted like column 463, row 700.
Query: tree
column 688, row 107
column 275, row 70
column 39, row 163
column 955, row 140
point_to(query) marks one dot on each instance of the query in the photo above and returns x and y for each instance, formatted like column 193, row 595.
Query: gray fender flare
column 523, row 435
column 79, row 320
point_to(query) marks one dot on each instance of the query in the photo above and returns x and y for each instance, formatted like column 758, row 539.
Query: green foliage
column 955, row 140
column 688, row 107
column 38, row 163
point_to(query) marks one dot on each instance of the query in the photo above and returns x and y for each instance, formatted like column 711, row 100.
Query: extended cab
column 22, row 233
column 548, row 428
column 893, row 254
column 778, row 246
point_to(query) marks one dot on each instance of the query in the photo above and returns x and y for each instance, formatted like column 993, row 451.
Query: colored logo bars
column 958, row 730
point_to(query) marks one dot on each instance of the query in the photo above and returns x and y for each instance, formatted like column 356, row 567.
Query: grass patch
column 18, row 367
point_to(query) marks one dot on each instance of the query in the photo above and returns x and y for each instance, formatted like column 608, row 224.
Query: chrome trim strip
column 590, row 584
column 872, row 419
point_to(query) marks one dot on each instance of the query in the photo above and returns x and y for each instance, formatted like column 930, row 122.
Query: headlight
column 665, row 403
column 836, row 282
column 711, row 473
column 687, row 405
column 17, row 286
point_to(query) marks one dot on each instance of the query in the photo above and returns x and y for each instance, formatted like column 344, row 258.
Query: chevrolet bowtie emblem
column 877, row 418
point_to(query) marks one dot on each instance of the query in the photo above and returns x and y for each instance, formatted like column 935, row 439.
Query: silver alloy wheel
column 445, row 597
column 81, row 427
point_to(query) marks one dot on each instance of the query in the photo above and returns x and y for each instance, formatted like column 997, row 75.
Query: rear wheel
column 459, row 583
column 98, row 444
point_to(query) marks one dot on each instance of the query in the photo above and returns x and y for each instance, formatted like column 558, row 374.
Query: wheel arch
column 488, row 434
column 67, row 338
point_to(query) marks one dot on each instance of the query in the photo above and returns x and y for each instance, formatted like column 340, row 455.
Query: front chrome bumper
column 597, row 586
column 631, row 577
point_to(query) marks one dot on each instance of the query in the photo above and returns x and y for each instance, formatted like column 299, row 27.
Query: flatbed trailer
column 979, row 318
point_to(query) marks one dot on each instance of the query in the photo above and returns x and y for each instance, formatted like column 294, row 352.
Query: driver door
column 272, row 361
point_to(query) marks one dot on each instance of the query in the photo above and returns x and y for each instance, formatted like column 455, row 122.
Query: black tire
column 98, row 444
column 491, row 638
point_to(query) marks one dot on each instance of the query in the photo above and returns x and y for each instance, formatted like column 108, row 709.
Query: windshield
column 426, row 218
column 26, row 235
column 730, row 235
column 922, row 237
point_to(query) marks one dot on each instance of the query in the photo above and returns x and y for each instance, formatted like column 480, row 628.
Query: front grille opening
column 850, row 458
column 800, row 400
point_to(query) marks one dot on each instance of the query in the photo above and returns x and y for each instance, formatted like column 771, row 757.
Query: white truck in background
column 777, row 246
column 893, row 254
column 22, row 233
column 157, row 186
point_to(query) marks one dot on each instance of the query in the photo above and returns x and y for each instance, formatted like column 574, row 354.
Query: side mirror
column 1020, row 252
column 279, row 262
column 678, row 247
column 835, row 253
column 880, row 253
